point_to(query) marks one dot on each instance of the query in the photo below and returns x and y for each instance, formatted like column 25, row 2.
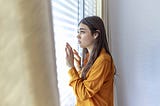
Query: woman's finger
column 69, row 55
column 68, row 46
column 75, row 51
column 66, row 51
column 76, row 54
column 77, row 61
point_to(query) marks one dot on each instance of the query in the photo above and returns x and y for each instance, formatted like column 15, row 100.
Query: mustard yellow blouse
column 97, row 89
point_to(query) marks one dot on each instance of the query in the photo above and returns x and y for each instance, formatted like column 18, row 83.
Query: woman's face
column 85, row 37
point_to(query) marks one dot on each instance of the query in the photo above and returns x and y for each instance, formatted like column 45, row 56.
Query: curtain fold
column 27, row 67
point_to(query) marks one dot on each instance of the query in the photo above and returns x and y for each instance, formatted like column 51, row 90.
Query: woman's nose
column 78, row 35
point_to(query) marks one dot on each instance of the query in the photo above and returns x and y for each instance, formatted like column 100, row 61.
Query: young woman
column 92, row 81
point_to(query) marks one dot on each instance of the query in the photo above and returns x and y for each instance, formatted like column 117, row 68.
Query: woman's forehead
column 83, row 27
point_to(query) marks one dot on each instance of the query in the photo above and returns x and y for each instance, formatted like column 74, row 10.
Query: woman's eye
column 82, row 31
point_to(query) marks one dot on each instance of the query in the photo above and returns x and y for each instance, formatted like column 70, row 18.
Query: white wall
column 135, row 31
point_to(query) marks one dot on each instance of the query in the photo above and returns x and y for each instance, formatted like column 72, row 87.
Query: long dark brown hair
column 96, row 25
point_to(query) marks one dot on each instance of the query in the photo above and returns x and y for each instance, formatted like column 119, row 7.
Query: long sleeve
column 96, row 77
column 97, row 88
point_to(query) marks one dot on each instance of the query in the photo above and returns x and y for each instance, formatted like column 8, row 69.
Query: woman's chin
column 81, row 46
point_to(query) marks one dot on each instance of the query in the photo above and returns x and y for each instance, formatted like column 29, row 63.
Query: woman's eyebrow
column 82, row 29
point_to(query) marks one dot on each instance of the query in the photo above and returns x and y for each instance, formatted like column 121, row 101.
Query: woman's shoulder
column 102, row 60
column 103, row 56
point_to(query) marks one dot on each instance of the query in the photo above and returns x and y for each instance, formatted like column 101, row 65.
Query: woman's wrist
column 71, row 66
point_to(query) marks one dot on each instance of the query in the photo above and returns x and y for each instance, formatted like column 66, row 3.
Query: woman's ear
column 96, row 34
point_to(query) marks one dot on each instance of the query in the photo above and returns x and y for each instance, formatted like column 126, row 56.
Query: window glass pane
column 66, row 15
column 65, row 20
column 89, row 7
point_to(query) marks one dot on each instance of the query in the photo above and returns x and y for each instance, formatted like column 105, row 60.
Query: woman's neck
column 90, row 50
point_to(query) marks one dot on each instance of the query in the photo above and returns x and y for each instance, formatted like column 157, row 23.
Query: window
column 66, row 15
column 89, row 7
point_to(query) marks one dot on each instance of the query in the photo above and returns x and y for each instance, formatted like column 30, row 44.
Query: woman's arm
column 85, row 89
